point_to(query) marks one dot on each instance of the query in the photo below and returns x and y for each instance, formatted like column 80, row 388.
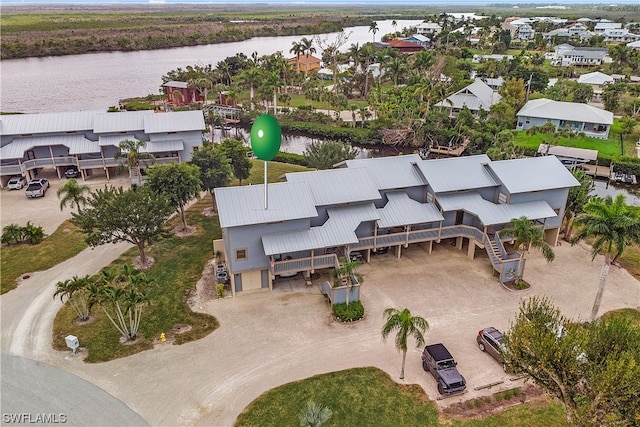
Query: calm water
column 631, row 193
column 93, row 82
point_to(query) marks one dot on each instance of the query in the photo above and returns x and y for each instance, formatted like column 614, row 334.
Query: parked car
column 355, row 256
column 437, row 360
column 37, row 187
column 491, row 341
column 289, row 274
column 72, row 172
column 380, row 251
column 17, row 182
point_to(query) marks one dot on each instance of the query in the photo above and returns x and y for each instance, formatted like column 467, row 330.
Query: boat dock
column 598, row 171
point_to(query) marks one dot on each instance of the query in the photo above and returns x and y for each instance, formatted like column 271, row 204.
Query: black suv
column 72, row 172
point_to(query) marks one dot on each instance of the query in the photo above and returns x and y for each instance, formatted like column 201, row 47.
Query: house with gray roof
column 592, row 121
column 477, row 96
column 89, row 140
column 314, row 218
column 567, row 55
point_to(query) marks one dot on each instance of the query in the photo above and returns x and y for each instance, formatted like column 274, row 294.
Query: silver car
column 17, row 182
column 491, row 341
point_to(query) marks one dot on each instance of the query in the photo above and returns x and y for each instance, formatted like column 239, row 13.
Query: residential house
column 428, row 28
column 89, row 140
column 419, row 39
column 596, row 80
column 478, row 58
column 477, row 96
column 620, row 35
column 404, row 46
column 305, row 63
column 592, row 121
column 576, row 31
column 314, row 217
column 179, row 93
column 602, row 27
column 520, row 28
column 494, row 83
column 567, row 55
column 634, row 45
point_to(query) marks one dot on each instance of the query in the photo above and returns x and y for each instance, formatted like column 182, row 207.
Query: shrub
column 13, row 233
column 220, row 290
column 291, row 158
column 348, row 313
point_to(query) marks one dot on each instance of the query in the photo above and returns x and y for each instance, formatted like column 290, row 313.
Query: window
column 241, row 254
column 527, row 120
column 502, row 198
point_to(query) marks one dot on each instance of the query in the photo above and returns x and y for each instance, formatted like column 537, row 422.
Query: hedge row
column 353, row 135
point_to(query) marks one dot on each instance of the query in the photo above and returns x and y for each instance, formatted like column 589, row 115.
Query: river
column 93, row 82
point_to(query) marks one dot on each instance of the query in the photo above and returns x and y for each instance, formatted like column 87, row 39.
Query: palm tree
column 131, row 151
column 346, row 275
column 613, row 226
column 406, row 325
column 74, row 290
column 73, row 193
column 12, row 233
column 527, row 235
column 314, row 415
column 297, row 50
column 373, row 28
column 394, row 24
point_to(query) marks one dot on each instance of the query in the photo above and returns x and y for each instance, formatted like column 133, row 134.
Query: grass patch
column 274, row 172
column 369, row 397
column 630, row 315
column 630, row 260
column 66, row 242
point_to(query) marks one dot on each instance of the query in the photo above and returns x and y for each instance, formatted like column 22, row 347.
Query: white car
column 17, row 182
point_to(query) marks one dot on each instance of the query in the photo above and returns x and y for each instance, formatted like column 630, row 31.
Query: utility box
column 72, row 342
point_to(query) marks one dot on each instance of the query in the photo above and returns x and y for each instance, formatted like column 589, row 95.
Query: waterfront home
column 477, row 96
column 592, row 121
column 314, row 218
column 89, row 140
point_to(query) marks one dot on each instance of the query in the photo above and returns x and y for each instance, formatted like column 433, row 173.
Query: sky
column 337, row 2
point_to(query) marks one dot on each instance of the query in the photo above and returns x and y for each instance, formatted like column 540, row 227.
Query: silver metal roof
column 401, row 210
column 336, row 186
column 595, row 78
column 533, row 174
column 21, row 124
column 245, row 205
column 572, row 111
column 478, row 95
column 175, row 83
column 125, row 121
column 568, row 152
column 178, row 121
column 391, row 172
column 115, row 140
column 159, row 146
column 16, row 148
column 457, row 173
column 492, row 214
column 338, row 230
column 84, row 146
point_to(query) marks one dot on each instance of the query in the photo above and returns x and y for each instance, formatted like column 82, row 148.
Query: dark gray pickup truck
column 437, row 360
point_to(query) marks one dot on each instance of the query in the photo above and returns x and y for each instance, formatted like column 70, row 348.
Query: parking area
column 45, row 211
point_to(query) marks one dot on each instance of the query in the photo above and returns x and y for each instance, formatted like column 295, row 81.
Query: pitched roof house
column 477, row 96
column 568, row 55
column 592, row 121
column 405, row 46
column 364, row 204
column 306, row 63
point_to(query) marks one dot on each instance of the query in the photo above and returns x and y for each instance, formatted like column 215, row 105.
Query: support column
column 312, row 261
column 471, row 250
column 398, row 251
column 430, row 246
column 459, row 241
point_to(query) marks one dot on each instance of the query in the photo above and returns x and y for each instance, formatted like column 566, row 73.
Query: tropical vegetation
column 406, row 325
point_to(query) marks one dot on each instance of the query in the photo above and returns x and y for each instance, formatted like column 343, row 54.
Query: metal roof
column 115, row 140
column 22, row 124
column 533, row 174
column 245, row 205
column 338, row 230
column 457, row 173
column 391, row 172
column 568, row 152
column 490, row 213
column 571, row 111
column 84, row 146
column 125, row 121
column 174, row 122
column 475, row 96
column 401, row 210
column 16, row 148
column 160, row 146
column 595, row 78
column 175, row 83
column 336, row 186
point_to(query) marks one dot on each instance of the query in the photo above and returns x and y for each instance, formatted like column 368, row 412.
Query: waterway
column 93, row 82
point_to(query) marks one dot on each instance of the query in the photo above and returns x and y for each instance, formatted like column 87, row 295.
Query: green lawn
column 369, row 397
column 607, row 148
column 16, row 260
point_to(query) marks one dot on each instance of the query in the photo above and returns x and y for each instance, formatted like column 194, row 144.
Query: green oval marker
column 266, row 137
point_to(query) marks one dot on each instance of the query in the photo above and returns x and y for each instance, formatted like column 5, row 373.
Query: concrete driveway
column 271, row 338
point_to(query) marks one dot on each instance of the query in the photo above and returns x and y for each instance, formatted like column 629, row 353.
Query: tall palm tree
column 308, row 49
column 394, row 24
column 527, row 235
column 406, row 325
column 613, row 226
column 373, row 28
column 252, row 77
column 73, row 194
column 131, row 151
column 74, row 290
column 346, row 275
column 297, row 50
column 272, row 83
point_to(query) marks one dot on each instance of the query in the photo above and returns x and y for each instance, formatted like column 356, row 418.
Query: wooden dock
column 598, row 171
